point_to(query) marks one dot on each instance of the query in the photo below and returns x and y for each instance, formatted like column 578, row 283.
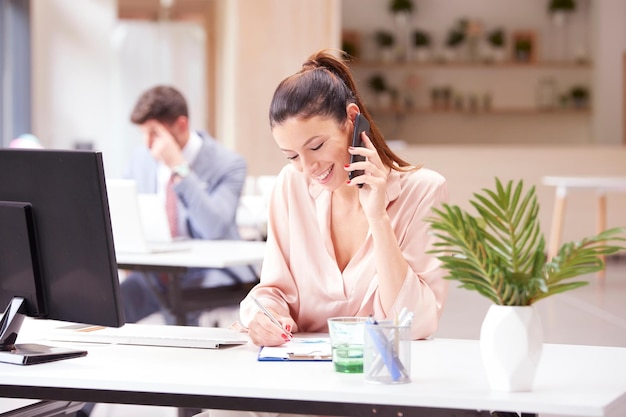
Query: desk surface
column 201, row 254
column 446, row 373
column 607, row 183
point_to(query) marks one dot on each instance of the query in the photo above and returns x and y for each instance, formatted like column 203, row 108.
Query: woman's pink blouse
column 300, row 276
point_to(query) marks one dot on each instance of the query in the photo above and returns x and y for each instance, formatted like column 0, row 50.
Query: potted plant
column 523, row 50
column 497, row 41
column 401, row 11
column 401, row 6
column 421, row 39
column 379, row 86
column 377, row 83
column 559, row 9
column 421, row 44
column 500, row 253
column 454, row 39
column 580, row 96
column 561, row 6
column 350, row 49
column 385, row 41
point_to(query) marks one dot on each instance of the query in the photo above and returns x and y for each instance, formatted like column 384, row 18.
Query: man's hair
column 162, row 103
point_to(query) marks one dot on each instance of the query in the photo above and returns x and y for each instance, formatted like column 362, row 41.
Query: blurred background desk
column 201, row 254
column 601, row 186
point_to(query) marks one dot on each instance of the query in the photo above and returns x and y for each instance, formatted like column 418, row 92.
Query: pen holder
column 387, row 353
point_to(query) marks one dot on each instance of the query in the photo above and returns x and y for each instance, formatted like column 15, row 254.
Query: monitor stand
column 26, row 353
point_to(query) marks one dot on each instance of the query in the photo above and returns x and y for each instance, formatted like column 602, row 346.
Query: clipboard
column 298, row 349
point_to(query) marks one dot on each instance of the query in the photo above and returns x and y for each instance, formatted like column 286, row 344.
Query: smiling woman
column 367, row 246
column 335, row 249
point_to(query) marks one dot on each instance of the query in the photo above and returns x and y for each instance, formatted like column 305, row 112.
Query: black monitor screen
column 66, row 192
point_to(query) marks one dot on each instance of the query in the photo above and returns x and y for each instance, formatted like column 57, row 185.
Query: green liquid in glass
column 348, row 359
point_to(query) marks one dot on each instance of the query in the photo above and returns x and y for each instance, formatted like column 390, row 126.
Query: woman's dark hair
column 162, row 103
column 324, row 87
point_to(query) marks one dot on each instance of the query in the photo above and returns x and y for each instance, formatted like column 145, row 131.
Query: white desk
column 601, row 185
column 201, row 254
column 446, row 374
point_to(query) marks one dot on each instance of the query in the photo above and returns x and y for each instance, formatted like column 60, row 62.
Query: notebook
column 298, row 349
column 139, row 221
column 150, row 335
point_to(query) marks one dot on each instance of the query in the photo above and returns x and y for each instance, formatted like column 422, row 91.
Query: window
column 15, row 65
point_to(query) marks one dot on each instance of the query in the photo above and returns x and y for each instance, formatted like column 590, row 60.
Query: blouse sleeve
column 424, row 290
column 277, row 288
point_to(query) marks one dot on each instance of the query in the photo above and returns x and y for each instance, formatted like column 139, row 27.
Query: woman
column 334, row 248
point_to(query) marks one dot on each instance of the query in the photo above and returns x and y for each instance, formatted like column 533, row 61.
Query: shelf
column 480, row 112
column 478, row 65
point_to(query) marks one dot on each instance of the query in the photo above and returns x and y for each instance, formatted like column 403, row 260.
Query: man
column 205, row 181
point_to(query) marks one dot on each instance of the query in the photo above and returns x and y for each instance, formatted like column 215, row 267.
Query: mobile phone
column 360, row 125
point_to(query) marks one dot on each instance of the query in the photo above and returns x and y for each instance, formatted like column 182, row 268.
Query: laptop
column 150, row 335
column 139, row 221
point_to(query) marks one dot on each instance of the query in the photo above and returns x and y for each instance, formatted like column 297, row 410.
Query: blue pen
column 405, row 317
column 386, row 351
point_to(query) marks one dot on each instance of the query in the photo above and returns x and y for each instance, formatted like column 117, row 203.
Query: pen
column 403, row 319
column 270, row 315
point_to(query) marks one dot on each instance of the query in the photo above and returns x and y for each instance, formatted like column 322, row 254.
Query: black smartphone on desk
column 360, row 125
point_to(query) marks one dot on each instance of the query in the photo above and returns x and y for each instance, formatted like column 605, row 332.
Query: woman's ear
column 352, row 110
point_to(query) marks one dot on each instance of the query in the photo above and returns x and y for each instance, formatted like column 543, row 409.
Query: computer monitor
column 57, row 258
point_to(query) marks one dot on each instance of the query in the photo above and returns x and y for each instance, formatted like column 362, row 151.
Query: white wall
column 89, row 69
column 171, row 53
column 469, row 168
column 609, row 89
column 72, row 66
column 81, row 91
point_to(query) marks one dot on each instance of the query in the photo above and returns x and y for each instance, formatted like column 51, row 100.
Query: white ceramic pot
column 511, row 340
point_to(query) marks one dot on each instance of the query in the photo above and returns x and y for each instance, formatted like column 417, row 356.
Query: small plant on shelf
column 561, row 6
column 455, row 38
column 377, row 83
column 559, row 9
column 384, row 39
column 579, row 96
column 350, row 50
column 496, row 38
column 421, row 39
column 421, row 44
column 401, row 6
column 384, row 95
column 523, row 50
